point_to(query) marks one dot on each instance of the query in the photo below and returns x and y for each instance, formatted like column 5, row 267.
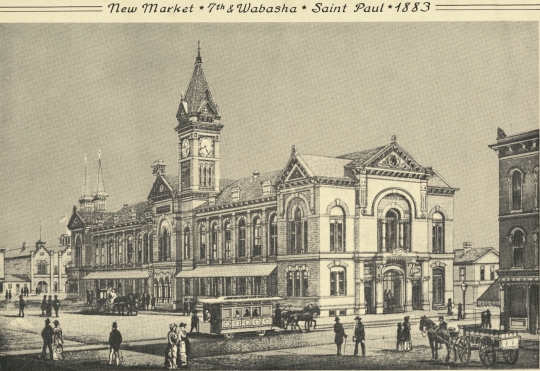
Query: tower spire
column 199, row 58
column 86, row 200
column 100, row 196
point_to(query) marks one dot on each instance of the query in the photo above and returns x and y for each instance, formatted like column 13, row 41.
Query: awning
column 237, row 270
column 116, row 274
column 490, row 297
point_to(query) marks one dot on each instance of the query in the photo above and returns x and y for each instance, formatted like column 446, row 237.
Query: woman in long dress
column 171, row 350
column 58, row 342
column 183, row 346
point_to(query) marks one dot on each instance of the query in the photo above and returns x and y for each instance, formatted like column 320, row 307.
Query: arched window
column 297, row 283
column 227, row 239
column 241, row 238
column 438, row 233
column 257, row 242
column 130, row 249
column 394, row 231
column 202, row 242
column 164, row 245
column 139, row 249
column 42, row 267
column 78, row 251
column 518, row 240
column 97, row 253
column 482, row 273
column 151, row 248
column 167, row 291
column 273, row 235
column 145, row 248
column 103, row 253
column 338, row 281
column 187, row 243
column 337, row 229
column 214, row 241
column 298, row 235
column 120, row 251
column 110, row 249
column 517, row 181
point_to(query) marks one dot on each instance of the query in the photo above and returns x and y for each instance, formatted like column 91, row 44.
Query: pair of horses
column 437, row 337
column 121, row 302
column 308, row 315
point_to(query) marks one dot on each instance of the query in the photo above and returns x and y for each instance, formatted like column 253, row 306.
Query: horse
column 436, row 336
column 119, row 302
column 308, row 315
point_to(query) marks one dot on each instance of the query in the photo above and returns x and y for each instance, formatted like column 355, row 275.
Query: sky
column 328, row 88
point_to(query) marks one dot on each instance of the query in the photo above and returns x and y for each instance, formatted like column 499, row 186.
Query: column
column 502, row 321
column 528, row 306
column 425, row 285
column 249, row 236
column 51, row 285
column 220, row 240
column 408, row 294
column 361, row 288
column 60, row 265
column 234, row 242
column 208, row 247
column 379, row 293
column 400, row 224
column 383, row 235
column 264, row 236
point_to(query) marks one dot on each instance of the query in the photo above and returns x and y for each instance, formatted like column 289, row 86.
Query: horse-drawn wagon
column 467, row 337
column 108, row 301
column 228, row 315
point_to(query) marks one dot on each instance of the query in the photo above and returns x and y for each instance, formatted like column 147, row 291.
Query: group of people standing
column 177, row 350
column 359, row 337
column 8, row 294
column 389, row 300
column 404, row 335
column 188, row 307
column 48, row 305
column 52, row 340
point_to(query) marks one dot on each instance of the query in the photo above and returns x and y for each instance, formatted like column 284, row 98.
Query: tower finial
column 199, row 58
column 393, row 139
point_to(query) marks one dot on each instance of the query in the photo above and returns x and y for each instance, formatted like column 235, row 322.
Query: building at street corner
column 369, row 231
column 41, row 269
column 477, row 267
column 518, row 229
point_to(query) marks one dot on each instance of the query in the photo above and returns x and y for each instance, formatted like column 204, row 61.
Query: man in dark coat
column 359, row 337
column 340, row 335
column 22, row 304
column 191, row 305
column 488, row 319
column 56, row 305
column 115, row 339
column 88, row 301
column 47, row 335
column 186, row 307
column 459, row 312
column 49, row 306
column 194, row 322
column 277, row 317
column 449, row 307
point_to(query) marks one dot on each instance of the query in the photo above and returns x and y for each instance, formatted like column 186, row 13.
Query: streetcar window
column 266, row 310
column 247, row 313
column 227, row 313
column 256, row 311
column 237, row 313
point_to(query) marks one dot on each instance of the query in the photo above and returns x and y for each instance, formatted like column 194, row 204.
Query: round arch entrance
column 394, row 291
column 42, row 287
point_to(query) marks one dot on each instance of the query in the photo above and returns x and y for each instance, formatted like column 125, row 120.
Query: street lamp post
column 464, row 289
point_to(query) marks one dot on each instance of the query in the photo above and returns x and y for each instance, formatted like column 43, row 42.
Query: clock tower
column 198, row 139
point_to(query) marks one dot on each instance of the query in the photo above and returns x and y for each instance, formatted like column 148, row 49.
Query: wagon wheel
column 486, row 351
column 229, row 335
column 95, row 307
column 464, row 349
column 263, row 332
column 511, row 356
column 106, row 307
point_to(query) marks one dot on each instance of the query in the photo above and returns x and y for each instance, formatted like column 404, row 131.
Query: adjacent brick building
column 518, row 229
column 368, row 231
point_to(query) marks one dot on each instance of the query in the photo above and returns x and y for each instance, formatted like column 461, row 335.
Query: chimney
column 256, row 174
column 266, row 188
column 467, row 246
column 235, row 194
column 133, row 214
column 158, row 168
column 212, row 199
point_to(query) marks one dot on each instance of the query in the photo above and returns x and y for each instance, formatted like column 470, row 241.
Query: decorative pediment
column 294, row 171
column 75, row 222
column 160, row 189
column 395, row 157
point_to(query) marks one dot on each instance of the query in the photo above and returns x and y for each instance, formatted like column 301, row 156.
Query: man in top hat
column 115, row 339
column 22, row 304
column 340, row 335
column 56, row 305
column 442, row 324
column 194, row 322
column 359, row 336
column 47, row 334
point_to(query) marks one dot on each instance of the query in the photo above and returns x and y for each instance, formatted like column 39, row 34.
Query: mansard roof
column 462, row 257
column 125, row 213
column 327, row 167
column 250, row 189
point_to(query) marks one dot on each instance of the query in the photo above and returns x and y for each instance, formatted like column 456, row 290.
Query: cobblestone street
column 144, row 336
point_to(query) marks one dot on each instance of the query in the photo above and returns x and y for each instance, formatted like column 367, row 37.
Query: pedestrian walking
column 194, row 322
column 56, row 305
column 449, row 306
column 183, row 346
column 47, row 335
column 9, row 296
column 153, row 302
column 459, row 312
column 44, row 305
column 115, row 339
column 171, row 351
column 488, row 319
column 277, row 316
column 406, row 334
column 49, row 306
column 359, row 336
column 88, row 301
column 191, row 305
column 58, row 342
column 22, row 304
column 340, row 335
column 186, row 307
column 399, row 341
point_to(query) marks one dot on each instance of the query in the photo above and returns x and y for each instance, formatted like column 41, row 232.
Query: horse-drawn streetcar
column 228, row 315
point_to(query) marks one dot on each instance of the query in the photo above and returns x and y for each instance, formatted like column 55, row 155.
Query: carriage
column 108, row 302
column 230, row 315
column 467, row 337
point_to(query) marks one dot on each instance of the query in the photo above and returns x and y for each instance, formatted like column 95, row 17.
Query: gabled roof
column 173, row 182
column 18, row 253
column 437, row 181
column 249, row 189
column 471, row 255
column 328, row 167
column 361, row 157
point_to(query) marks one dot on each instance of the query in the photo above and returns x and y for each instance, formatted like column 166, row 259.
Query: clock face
column 206, row 147
column 185, row 148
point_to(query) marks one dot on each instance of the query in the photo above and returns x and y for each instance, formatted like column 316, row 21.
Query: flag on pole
column 63, row 219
